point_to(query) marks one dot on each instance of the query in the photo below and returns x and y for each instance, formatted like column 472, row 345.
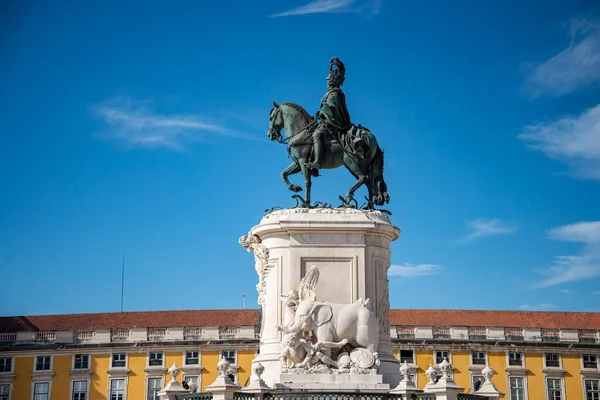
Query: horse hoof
column 295, row 188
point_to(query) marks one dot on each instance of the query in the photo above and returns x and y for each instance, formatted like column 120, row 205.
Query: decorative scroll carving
column 383, row 305
column 252, row 243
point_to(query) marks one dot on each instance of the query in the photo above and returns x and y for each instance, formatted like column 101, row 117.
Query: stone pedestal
column 223, row 387
column 488, row 389
column 173, row 388
column 351, row 250
column 445, row 388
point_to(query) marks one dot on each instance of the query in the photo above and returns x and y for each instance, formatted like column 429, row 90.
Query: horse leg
column 294, row 168
column 358, row 171
column 307, row 182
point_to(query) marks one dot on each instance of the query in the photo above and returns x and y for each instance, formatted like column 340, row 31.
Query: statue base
column 332, row 382
column 351, row 249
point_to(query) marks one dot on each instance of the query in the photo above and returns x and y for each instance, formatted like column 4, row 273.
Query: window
column 476, row 382
column 155, row 359
column 4, row 392
column 119, row 360
column 478, row 358
column 517, row 388
column 229, row 355
column 515, row 359
column 590, row 361
column 5, row 364
column 552, row 360
column 42, row 363
column 154, row 386
column 117, row 389
column 41, row 391
column 192, row 380
column 440, row 355
column 407, row 355
column 592, row 390
column 79, row 390
column 192, row 358
column 554, row 389
column 82, row 361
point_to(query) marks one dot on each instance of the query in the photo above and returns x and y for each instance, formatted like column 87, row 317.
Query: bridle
column 287, row 139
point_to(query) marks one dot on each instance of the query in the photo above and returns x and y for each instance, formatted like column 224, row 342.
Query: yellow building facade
column 125, row 356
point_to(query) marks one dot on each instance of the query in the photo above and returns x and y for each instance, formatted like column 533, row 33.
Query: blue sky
column 140, row 128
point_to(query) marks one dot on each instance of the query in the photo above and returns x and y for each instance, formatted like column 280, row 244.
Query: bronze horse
column 297, row 124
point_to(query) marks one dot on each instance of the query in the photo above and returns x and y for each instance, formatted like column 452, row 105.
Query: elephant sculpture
column 334, row 322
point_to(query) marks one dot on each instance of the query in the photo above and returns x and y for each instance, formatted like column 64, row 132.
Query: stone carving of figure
column 319, row 327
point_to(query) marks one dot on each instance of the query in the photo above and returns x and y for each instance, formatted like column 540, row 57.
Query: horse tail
column 378, row 185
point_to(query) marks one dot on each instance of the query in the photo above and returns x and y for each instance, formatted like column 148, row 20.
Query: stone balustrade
column 400, row 332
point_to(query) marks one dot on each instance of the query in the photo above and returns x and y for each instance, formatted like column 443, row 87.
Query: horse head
column 275, row 122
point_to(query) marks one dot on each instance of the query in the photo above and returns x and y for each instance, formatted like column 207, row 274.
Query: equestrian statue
column 327, row 141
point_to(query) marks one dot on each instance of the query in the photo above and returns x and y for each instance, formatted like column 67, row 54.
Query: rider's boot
column 317, row 151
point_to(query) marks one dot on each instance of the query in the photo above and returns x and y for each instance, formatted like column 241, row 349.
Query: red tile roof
column 141, row 319
column 163, row 319
column 530, row 319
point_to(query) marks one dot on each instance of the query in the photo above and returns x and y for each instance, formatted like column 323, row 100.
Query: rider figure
column 333, row 113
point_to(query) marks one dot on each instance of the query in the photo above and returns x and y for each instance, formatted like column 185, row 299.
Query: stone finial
column 431, row 374
column 223, row 367
column 404, row 371
column 446, row 368
column 174, row 371
column 487, row 373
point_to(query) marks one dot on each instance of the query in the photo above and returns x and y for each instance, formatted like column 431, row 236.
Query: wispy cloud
column 572, row 268
column 596, row 292
column 483, row 227
column 137, row 124
column 537, row 307
column 566, row 291
column 332, row 6
column 413, row 271
column 574, row 140
column 575, row 67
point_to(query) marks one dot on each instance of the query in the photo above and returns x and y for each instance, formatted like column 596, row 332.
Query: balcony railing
column 45, row 336
column 8, row 337
column 193, row 333
column 477, row 333
column 441, row 332
column 119, row 335
column 157, row 334
column 588, row 336
column 405, row 332
column 227, row 332
column 84, row 336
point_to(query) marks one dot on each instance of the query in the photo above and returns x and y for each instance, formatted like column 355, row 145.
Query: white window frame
column 522, row 359
column 234, row 350
column 162, row 382
column 126, row 359
column 162, row 359
column 524, row 378
column 485, row 358
column 400, row 356
column 12, row 365
column 562, row 386
column 33, row 383
column 185, row 358
column 125, row 385
column 587, row 368
column 73, row 380
column 43, row 370
column 435, row 356
column 559, row 360
column 10, row 388
column 89, row 359
column 589, row 379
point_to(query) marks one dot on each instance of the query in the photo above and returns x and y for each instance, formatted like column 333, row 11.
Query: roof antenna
column 122, row 281
column 244, row 301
